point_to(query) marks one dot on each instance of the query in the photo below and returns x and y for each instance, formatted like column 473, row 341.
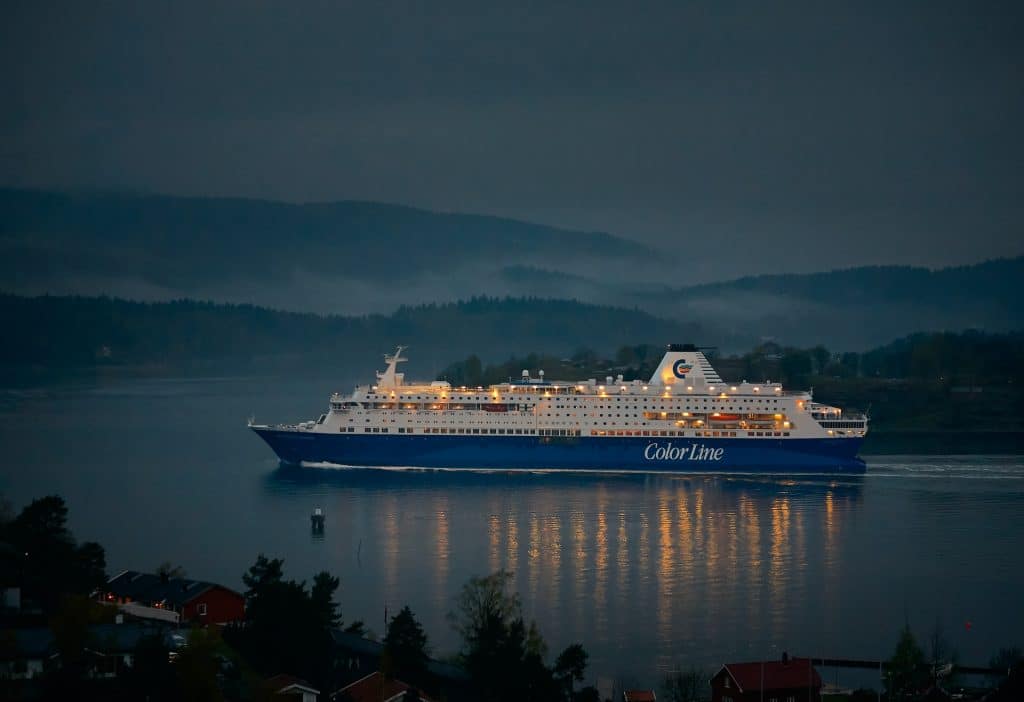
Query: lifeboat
column 722, row 417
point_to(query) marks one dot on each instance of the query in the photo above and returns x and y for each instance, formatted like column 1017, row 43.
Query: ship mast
column 389, row 378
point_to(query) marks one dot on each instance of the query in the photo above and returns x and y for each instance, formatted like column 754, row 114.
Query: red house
column 194, row 600
column 788, row 680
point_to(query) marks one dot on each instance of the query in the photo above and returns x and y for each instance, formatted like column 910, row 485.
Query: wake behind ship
column 684, row 419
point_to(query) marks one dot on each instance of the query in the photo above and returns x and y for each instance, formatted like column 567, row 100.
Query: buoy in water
column 317, row 520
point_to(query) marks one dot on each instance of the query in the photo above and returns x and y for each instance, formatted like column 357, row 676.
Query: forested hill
column 78, row 331
column 338, row 257
column 854, row 309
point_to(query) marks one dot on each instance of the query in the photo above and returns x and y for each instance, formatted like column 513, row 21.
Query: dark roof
column 795, row 673
column 280, row 683
column 38, row 642
column 447, row 671
column 355, row 643
column 374, row 688
column 147, row 587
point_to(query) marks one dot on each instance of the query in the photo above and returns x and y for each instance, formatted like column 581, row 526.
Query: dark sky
column 743, row 137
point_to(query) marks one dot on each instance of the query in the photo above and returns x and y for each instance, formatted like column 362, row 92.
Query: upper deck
column 684, row 397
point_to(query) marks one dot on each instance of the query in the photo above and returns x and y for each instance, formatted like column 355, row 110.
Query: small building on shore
column 375, row 687
column 786, row 680
column 291, row 688
column 193, row 601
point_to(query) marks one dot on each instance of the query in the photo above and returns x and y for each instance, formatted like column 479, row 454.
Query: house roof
column 284, row 684
column 639, row 696
column 355, row 643
column 794, row 673
column 147, row 587
column 38, row 642
column 374, row 688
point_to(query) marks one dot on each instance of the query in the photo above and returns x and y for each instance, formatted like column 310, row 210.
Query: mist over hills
column 855, row 308
column 359, row 258
column 341, row 257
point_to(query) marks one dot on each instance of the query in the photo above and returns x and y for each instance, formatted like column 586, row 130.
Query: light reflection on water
column 727, row 560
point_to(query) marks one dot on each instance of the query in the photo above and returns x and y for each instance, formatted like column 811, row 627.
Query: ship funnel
column 684, row 364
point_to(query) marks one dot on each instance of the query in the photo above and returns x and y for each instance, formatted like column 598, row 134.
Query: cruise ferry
column 685, row 418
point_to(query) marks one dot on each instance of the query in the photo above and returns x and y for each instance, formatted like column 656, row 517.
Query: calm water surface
column 649, row 572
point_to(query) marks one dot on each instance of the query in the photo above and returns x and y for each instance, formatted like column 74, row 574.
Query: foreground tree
column 166, row 570
column 569, row 666
column 691, row 685
column 405, row 647
column 906, row 669
column 503, row 656
column 328, row 612
column 1006, row 658
column 262, row 573
column 288, row 628
column 197, row 667
column 49, row 564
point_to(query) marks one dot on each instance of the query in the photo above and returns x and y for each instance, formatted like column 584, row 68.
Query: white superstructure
column 685, row 397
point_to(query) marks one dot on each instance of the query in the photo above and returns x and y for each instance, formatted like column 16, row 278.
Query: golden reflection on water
column 443, row 552
column 716, row 543
column 666, row 567
column 601, row 563
column 800, row 554
column 684, row 529
column 778, row 564
column 511, row 543
column 494, row 543
column 830, row 532
column 622, row 558
column 644, row 560
column 712, row 529
column 552, row 541
column 750, row 520
column 578, row 574
column 533, row 564
column 732, row 564
column 391, row 546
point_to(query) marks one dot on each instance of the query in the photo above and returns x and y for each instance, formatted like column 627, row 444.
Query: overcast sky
column 742, row 137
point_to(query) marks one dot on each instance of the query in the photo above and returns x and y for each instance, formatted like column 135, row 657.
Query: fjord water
column 648, row 572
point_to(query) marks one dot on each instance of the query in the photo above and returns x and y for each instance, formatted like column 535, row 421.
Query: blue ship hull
column 644, row 454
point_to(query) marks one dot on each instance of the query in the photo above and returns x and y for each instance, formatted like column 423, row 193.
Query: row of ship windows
column 524, row 408
column 564, row 432
column 842, row 425
column 460, row 430
column 386, row 403
column 731, row 425
column 480, row 397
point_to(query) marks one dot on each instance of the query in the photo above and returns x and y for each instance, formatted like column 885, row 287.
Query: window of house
column 201, row 609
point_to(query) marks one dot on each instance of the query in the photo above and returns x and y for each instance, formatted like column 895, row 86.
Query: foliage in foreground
column 503, row 654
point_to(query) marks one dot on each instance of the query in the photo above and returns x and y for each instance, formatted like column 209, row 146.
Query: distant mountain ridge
column 354, row 258
column 301, row 256
column 854, row 308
